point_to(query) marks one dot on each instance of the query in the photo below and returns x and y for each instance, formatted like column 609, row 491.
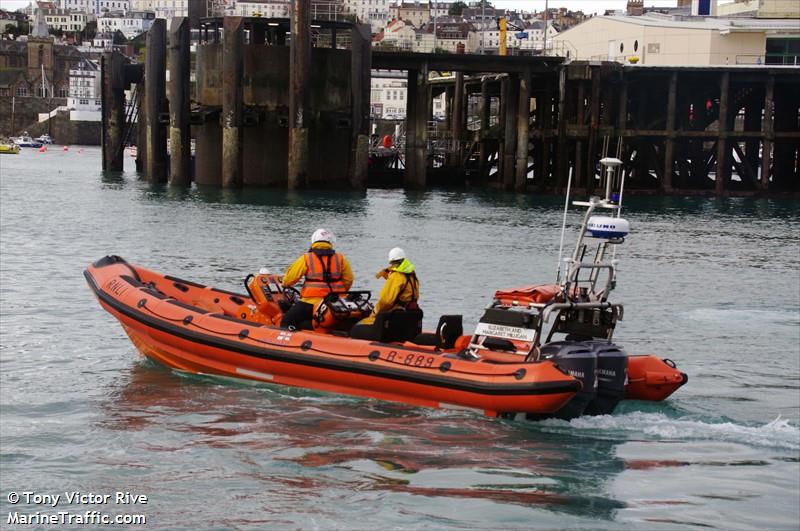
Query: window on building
column 22, row 90
column 63, row 92
column 784, row 51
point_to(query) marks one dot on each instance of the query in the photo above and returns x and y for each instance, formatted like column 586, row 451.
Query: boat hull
column 186, row 337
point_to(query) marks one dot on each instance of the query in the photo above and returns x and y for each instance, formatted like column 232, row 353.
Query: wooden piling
column 155, row 97
column 299, row 93
column 179, row 137
column 523, row 128
column 669, row 143
column 232, row 101
column 723, row 161
column 113, row 110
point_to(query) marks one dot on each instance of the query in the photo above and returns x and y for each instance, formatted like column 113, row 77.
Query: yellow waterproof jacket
column 298, row 271
column 401, row 287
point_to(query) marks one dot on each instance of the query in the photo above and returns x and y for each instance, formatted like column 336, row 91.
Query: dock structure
column 286, row 103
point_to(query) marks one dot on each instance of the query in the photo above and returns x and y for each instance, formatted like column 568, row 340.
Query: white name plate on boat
column 506, row 332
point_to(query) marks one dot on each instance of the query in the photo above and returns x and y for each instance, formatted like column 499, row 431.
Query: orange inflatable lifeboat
column 191, row 327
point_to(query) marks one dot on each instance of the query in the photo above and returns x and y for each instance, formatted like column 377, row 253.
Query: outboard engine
column 612, row 375
column 580, row 361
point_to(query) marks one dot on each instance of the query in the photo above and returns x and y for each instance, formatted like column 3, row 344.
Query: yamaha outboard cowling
column 612, row 376
column 580, row 361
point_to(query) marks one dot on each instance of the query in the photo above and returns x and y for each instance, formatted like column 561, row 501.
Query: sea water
column 712, row 284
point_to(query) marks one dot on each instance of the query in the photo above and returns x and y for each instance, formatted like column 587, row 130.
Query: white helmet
column 322, row 235
column 396, row 254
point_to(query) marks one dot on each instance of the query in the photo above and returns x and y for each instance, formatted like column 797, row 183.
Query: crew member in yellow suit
column 400, row 292
column 324, row 271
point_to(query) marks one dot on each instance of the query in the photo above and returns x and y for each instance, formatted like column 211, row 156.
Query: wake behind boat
column 538, row 351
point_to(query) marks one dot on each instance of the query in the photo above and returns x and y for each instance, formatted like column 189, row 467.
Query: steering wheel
column 291, row 294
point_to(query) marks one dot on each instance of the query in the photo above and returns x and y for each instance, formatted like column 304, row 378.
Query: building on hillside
column 320, row 9
column 376, row 13
column 64, row 19
column 262, row 8
column 84, row 100
column 453, row 37
column 398, row 35
column 416, row 13
column 8, row 20
column 96, row 7
column 36, row 67
column 656, row 39
column 440, row 9
column 130, row 24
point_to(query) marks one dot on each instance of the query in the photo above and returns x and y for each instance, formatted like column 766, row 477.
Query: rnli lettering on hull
column 506, row 332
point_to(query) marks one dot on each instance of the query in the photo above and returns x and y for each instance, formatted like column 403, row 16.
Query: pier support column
column 179, row 137
column 360, row 79
column 594, row 123
column 232, row 96
column 484, row 111
column 299, row 93
column 416, row 129
column 580, row 121
column 669, row 143
column 409, row 175
column 155, row 98
column 562, row 154
column 457, row 126
column 510, row 132
column 767, row 129
column 113, row 110
column 723, row 161
column 523, row 128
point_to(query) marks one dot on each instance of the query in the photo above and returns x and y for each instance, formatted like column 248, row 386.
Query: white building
column 84, row 92
column 131, row 24
column 96, row 7
column 372, row 12
column 655, row 39
column 263, row 8
column 170, row 8
column 64, row 20
column 388, row 97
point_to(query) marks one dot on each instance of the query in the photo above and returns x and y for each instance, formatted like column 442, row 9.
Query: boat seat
column 397, row 326
column 449, row 329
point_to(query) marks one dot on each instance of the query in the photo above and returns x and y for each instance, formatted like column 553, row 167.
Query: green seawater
column 713, row 284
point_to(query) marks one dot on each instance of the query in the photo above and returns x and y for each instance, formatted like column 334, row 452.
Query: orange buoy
column 387, row 141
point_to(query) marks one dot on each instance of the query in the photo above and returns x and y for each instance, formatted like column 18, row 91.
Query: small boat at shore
column 538, row 351
column 25, row 140
column 8, row 148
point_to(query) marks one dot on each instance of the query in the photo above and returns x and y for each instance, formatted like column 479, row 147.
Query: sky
column 587, row 6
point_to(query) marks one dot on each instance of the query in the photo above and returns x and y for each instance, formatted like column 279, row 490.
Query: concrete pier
column 277, row 104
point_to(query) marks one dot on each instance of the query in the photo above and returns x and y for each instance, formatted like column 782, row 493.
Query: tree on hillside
column 119, row 37
column 456, row 9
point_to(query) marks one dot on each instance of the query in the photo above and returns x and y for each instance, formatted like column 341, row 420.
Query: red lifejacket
column 323, row 273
